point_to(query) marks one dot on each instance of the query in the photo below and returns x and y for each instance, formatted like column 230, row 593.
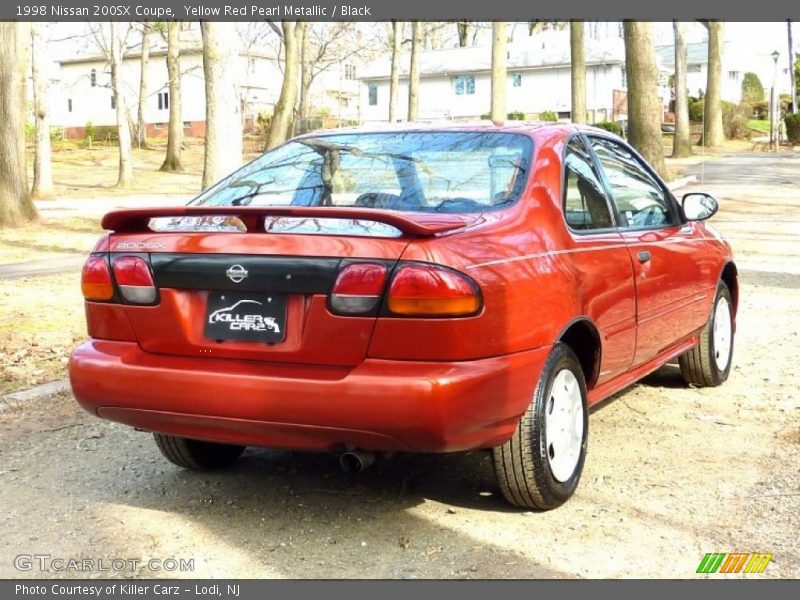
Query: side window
column 585, row 204
column 639, row 198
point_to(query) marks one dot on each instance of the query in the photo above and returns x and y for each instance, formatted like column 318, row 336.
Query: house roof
column 530, row 55
column 696, row 54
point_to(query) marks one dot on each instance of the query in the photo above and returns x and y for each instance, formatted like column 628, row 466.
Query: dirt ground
column 672, row 472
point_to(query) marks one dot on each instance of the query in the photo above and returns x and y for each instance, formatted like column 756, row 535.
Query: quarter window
column 585, row 204
column 464, row 85
column 640, row 200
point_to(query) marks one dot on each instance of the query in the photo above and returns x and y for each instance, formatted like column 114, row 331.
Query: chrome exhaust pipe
column 355, row 461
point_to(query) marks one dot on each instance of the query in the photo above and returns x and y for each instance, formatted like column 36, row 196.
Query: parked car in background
column 418, row 289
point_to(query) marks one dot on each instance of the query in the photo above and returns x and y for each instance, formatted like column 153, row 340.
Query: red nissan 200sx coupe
column 422, row 289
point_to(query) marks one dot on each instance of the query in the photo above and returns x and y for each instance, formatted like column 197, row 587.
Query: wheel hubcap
column 564, row 425
column 722, row 334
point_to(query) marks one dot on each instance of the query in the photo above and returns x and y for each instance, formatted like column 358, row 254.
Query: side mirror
column 698, row 206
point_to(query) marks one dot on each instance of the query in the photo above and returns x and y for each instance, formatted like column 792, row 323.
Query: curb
column 682, row 182
column 14, row 399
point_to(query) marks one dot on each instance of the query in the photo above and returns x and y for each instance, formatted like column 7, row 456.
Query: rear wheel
column 709, row 363
column 196, row 455
column 540, row 466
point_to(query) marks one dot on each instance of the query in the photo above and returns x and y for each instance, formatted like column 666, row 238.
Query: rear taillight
column 428, row 290
column 96, row 280
column 358, row 288
column 134, row 280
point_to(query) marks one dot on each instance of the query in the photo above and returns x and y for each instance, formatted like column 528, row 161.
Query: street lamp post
column 772, row 129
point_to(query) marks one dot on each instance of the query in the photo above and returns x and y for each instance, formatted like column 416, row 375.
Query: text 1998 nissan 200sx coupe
column 424, row 289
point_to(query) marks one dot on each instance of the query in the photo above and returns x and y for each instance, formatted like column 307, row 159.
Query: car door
column 670, row 297
column 600, row 259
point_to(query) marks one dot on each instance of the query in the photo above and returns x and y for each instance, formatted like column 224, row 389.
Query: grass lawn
column 49, row 238
column 759, row 125
column 41, row 321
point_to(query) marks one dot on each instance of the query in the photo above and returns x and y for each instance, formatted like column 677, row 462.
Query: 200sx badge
column 246, row 317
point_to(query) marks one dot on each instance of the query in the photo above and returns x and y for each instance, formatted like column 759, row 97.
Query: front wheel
column 709, row 363
column 540, row 466
column 196, row 455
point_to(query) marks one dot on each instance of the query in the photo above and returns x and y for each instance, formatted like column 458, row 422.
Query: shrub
column 792, row 122
column 610, row 126
column 760, row 110
column 734, row 121
column 696, row 109
column 516, row 116
column 89, row 131
column 548, row 115
column 752, row 90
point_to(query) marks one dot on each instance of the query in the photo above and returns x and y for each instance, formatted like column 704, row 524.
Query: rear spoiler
column 416, row 224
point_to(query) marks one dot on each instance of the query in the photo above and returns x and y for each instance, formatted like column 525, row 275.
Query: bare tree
column 463, row 33
column 644, row 104
column 15, row 200
column 172, row 162
column 713, row 133
column 499, row 70
column 394, row 77
column 792, row 73
column 279, row 128
column 578, row 59
column 144, row 61
column 413, row 73
column 42, row 160
column 306, row 78
column 223, row 148
column 117, row 43
column 681, row 141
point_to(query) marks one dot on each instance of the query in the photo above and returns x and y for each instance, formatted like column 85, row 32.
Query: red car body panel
column 396, row 383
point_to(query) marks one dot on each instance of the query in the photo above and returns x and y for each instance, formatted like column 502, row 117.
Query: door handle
column 644, row 256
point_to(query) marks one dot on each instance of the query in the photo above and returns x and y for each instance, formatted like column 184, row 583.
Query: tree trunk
column 682, row 141
column 125, row 177
column 223, row 152
column 306, row 79
column 15, row 200
column 282, row 117
column 713, row 134
column 792, row 74
column 463, row 33
column 413, row 73
column 172, row 162
column 577, row 52
column 644, row 105
column 42, row 161
column 141, row 124
column 499, row 71
column 394, row 78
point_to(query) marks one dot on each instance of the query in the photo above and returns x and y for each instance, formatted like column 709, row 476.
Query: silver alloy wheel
column 564, row 425
column 722, row 333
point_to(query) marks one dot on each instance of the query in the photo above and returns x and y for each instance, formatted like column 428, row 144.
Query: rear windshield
column 450, row 172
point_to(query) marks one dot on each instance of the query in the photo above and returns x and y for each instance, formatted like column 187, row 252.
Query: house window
column 373, row 94
column 69, row 104
column 733, row 75
column 464, row 85
column 350, row 72
column 693, row 69
column 516, row 79
column 163, row 100
column 251, row 65
column 93, row 77
column 624, row 78
column 113, row 102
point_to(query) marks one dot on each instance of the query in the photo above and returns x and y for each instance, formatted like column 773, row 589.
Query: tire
column 709, row 363
column 528, row 471
column 196, row 455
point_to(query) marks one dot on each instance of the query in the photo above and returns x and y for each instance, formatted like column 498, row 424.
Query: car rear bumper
column 380, row 405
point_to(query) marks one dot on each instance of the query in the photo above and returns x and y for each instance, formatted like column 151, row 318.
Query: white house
column 81, row 91
column 455, row 83
column 737, row 59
